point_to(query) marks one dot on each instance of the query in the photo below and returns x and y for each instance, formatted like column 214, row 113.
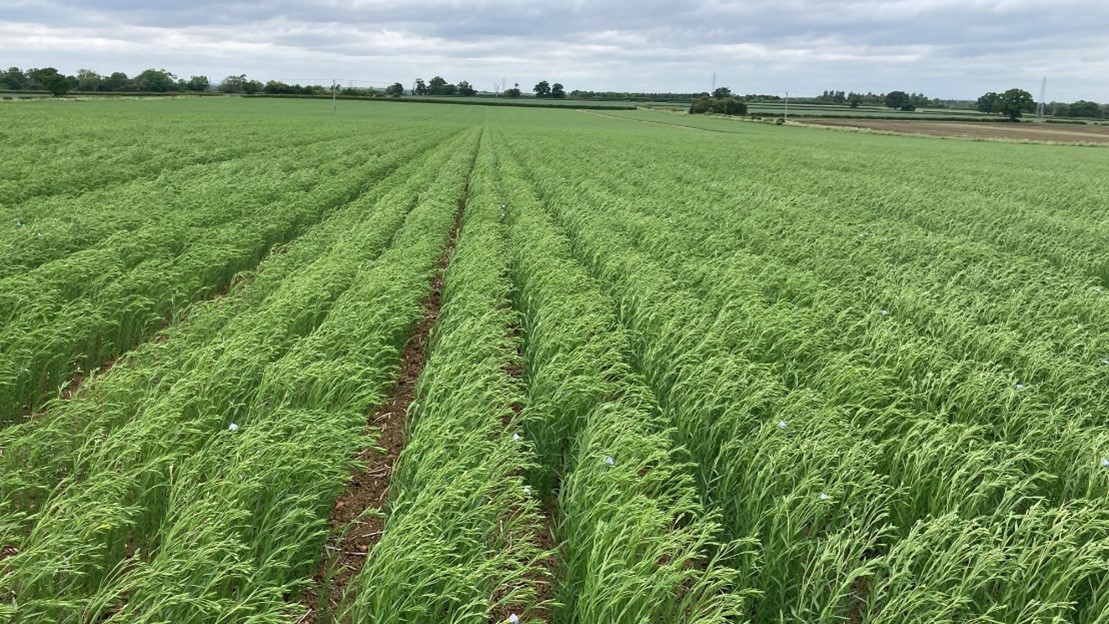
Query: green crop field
column 406, row 363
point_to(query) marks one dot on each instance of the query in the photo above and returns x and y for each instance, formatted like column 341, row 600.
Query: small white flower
column 885, row 312
column 824, row 496
column 1097, row 289
column 515, row 437
column 1105, row 462
column 527, row 490
column 1019, row 386
column 515, row 619
column 609, row 461
column 232, row 427
column 781, row 424
column 1105, row 361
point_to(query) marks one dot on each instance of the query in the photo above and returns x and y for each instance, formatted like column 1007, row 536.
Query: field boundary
column 815, row 123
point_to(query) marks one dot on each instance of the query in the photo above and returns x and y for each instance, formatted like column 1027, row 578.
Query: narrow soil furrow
column 356, row 522
column 543, row 532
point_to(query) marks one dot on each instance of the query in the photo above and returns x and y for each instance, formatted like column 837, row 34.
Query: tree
column 465, row 89
column 987, row 102
column 233, row 84
column 897, row 99
column 56, row 84
column 1014, row 102
column 558, row 91
column 395, row 89
column 118, row 81
column 438, row 86
column 156, row 81
column 198, row 83
column 514, row 92
column 13, row 79
column 88, row 80
column 542, row 90
column 1083, row 108
column 723, row 106
column 420, row 88
column 251, row 87
column 721, row 93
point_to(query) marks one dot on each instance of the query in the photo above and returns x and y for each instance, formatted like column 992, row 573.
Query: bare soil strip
column 542, row 532
column 1053, row 133
column 354, row 532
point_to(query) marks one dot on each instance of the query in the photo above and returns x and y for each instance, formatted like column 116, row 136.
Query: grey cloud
column 946, row 48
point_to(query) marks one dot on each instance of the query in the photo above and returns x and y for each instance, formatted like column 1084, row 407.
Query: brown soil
column 79, row 377
column 861, row 589
column 1054, row 133
column 542, row 581
column 542, row 532
column 357, row 520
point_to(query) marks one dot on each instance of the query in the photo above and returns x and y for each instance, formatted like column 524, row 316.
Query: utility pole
column 786, row 118
column 333, row 95
column 1042, row 106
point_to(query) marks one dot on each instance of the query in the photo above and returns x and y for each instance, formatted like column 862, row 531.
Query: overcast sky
column 944, row 48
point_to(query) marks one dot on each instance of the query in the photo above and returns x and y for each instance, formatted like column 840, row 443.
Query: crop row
column 635, row 544
column 460, row 540
column 858, row 503
column 177, row 488
column 84, row 309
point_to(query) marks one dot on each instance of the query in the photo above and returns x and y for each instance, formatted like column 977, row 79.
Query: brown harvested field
column 979, row 130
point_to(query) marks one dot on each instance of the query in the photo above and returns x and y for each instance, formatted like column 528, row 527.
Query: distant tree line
column 1081, row 108
column 438, row 86
column 721, row 101
column 1012, row 102
column 162, row 81
column 89, row 81
column 1016, row 102
column 894, row 99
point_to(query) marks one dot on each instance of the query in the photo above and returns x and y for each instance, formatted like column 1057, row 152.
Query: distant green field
column 831, row 110
column 819, row 110
column 22, row 95
column 594, row 370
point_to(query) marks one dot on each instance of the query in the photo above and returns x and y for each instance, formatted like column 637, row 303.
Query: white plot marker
column 232, row 427
column 824, row 496
column 782, row 424
column 608, row 460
